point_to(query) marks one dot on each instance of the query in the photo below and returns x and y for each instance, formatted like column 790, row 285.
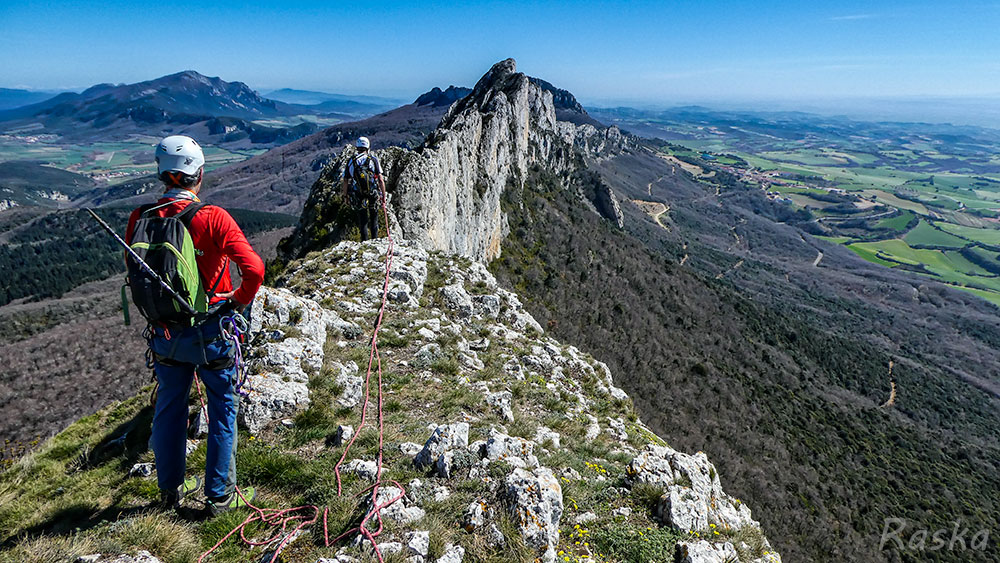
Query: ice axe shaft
column 185, row 306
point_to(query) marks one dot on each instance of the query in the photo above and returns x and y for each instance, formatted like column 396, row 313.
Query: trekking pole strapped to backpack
column 145, row 268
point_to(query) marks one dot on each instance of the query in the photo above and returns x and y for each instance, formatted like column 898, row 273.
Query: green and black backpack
column 165, row 244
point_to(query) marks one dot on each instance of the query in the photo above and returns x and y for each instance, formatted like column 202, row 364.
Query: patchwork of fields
column 924, row 198
column 112, row 162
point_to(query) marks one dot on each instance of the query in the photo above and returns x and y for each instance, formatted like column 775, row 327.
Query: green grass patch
column 926, row 234
column 897, row 223
column 986, row 236
column 628, row 541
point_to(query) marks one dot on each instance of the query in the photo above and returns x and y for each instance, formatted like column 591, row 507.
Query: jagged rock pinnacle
column 494, row 80
column 498, row 73
column 447, row 194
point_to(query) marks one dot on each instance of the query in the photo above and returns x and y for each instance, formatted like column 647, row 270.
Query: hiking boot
column 234, row 500
column 172, row 499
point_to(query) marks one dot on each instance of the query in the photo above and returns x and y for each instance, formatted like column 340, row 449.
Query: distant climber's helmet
column 363, row 143
column 178, row 153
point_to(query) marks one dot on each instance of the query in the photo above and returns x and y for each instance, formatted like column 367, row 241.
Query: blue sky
column 658, row 52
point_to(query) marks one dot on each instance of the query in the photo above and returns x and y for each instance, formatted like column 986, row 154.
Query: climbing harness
column 287, row 523
column 234, row 328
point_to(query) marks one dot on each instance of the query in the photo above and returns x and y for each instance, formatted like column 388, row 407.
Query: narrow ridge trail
column 892, row 388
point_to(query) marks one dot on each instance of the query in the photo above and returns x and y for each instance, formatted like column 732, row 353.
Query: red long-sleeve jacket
column 216, row 236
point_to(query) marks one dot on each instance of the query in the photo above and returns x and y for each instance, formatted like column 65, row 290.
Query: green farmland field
column 897, row 223
column 924, row 234
column 121, row 159
column 986, row 236
column 949, row 180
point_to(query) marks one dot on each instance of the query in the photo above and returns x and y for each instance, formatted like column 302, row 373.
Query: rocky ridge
column 510, row 445
column 541, row 442
column 448, row 193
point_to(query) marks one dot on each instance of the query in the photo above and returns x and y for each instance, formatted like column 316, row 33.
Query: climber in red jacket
column 217, row 241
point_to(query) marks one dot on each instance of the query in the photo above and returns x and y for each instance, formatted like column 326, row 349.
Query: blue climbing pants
column 176, row 358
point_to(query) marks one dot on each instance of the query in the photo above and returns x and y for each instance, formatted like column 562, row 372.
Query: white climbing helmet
column 363, row 143
column 178, row 153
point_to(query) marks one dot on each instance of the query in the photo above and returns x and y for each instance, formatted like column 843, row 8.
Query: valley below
column 915, row 196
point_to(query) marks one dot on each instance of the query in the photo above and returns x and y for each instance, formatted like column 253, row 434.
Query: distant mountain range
column 209, row 108
column 176, row 97
column 310, row 97
column 14, row 97
column 438, row 98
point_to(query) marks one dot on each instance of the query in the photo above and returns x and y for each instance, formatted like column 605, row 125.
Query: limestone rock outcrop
column 289, row 333
column 693, row 497
column 537, row 505
column 448, row 194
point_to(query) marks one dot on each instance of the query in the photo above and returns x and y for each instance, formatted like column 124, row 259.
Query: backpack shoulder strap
column 185, row 216
column 188, row 212
column 143, row 209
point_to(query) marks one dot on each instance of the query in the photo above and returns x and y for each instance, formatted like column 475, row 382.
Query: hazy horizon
column 980, row 110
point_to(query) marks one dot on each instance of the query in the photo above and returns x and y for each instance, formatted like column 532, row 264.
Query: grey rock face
column 705, row 552
column 537, row 506
column 511, row 449
column 362, row 468
column 279, row 388
column 418, row 543
column 444, row 438
column 351, row 381
column 457, row 299
column 398, row 511
column 694, row 498
column 487, row 142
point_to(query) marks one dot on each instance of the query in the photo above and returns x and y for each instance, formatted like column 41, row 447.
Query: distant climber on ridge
column 363, row 186
column 173, row 234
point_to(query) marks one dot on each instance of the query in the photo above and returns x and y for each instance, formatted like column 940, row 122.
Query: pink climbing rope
column 295, row 519
column 373, row 358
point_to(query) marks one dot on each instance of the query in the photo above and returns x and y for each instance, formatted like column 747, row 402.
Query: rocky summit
column 447, row 194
